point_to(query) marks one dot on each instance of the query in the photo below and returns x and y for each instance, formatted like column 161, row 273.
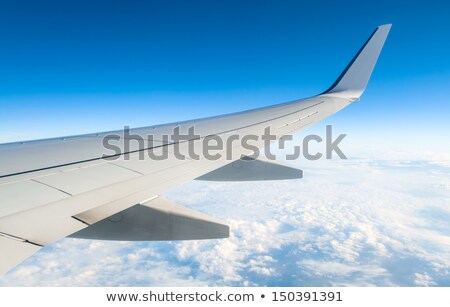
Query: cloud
column 331, row 267
column 423, row 280
column 354, row 222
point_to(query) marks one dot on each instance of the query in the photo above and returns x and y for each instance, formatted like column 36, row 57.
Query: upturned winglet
column 353, row 80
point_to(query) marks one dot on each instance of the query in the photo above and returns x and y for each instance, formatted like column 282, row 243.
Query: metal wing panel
column 47, row 223
column 144, row 163
column 87, row 178
column 57, row 154
column 20, row 196
column 14, row 252
column 154, row 220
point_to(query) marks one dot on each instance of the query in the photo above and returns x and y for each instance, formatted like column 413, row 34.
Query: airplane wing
column 81, row 187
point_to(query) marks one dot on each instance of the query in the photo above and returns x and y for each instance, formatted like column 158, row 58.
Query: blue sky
column 81, row 66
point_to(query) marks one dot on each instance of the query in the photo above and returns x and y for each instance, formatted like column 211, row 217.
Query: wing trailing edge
column 156, row 220
column 14, row 251
column 248, row 169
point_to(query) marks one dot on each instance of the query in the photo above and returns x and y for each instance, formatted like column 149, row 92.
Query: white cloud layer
column 356, row 222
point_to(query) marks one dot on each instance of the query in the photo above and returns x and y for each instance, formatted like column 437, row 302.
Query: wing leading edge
column 57, row 199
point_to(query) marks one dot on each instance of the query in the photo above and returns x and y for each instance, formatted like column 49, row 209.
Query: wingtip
column 385, row 26
column 353, row 80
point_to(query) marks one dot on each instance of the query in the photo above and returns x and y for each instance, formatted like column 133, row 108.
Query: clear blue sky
column 69, row 67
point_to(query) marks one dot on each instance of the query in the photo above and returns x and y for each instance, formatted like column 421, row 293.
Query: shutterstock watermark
column 193, row 146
